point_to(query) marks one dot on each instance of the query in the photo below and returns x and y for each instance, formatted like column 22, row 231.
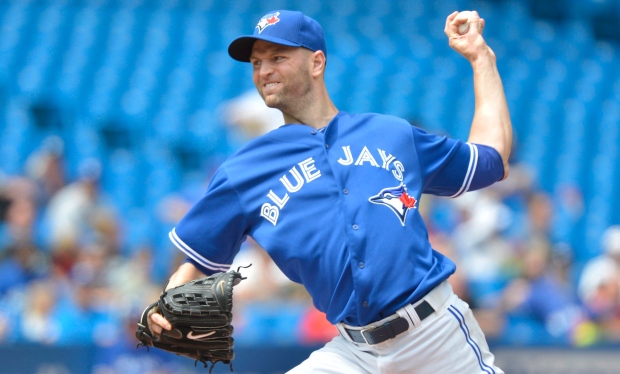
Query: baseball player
column 334, row 198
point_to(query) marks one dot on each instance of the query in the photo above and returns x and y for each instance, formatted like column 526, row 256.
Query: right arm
column 491, row 124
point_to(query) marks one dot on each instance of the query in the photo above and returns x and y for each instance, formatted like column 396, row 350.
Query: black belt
column 389, row 329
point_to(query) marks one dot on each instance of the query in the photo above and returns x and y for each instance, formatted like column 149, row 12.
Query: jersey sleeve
column 212, row 232
column 451, row 167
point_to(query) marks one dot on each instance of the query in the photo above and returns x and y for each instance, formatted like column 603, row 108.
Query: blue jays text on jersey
column 337, row 210
column 310, row 173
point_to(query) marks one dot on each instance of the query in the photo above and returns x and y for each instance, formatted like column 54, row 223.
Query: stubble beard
column 292, row 97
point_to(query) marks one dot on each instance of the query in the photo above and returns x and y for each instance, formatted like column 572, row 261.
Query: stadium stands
column 137, row 85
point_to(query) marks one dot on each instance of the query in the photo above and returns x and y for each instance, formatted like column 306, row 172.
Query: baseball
column 464, row 27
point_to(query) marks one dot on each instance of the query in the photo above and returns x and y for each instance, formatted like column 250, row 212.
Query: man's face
column 281, row 74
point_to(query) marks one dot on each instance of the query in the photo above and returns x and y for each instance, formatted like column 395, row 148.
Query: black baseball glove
column 200, row 315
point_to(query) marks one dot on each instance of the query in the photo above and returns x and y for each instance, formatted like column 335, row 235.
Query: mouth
column 271, row 84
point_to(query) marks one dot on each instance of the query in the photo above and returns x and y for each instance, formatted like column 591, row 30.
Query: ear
column 318, row 63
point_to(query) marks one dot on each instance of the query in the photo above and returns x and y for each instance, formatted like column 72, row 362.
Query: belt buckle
column 362, row 332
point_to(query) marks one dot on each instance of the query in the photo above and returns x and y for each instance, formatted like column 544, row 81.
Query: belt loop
column 410, row 315
column 343, row 332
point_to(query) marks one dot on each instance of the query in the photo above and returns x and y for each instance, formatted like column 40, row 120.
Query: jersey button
column 326, row 145
column 313, row 132
column 365, row 304
column 345, row 191
column 355, row 227
column 361, row 265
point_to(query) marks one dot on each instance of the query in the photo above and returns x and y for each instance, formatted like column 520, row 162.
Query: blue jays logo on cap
column 397, row 199
column 291, row 28
column 267, row 20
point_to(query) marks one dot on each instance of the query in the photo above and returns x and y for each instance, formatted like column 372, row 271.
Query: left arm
column 491, row 124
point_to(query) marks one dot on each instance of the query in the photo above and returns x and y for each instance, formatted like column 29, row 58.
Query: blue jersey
column 337, row 210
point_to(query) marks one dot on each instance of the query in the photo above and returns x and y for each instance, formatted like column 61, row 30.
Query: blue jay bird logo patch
column 397, row 199
column 268, row 20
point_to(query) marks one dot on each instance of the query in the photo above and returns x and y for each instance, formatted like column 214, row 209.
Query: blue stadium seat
column 122, row 180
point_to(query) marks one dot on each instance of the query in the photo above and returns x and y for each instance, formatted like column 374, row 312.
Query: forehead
column 262, row 47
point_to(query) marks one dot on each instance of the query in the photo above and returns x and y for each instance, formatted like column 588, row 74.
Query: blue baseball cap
column 283, row 27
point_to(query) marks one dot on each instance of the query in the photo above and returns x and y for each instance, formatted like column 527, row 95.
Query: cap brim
column 241, row 48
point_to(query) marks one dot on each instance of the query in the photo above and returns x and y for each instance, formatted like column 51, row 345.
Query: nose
column 265, row 69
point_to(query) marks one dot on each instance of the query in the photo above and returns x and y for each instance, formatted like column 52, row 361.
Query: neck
column 316, row 113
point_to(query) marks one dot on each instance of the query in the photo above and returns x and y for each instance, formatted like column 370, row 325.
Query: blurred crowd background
column 114, row 114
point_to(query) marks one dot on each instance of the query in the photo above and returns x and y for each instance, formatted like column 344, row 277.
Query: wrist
column 483, row 59
column 186, row 272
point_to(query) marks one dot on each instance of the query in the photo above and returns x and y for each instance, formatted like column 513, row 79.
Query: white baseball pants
column 448, row 341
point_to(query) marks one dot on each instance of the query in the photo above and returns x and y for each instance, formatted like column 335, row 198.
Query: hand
column 471, row 44
column 157, row 322
column 185, row 273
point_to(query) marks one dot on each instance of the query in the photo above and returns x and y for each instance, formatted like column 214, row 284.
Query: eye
column 255, row 64
column 278, row 58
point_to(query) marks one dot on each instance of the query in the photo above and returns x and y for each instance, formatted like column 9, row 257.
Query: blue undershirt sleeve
column 451, row 167
column 489, row 168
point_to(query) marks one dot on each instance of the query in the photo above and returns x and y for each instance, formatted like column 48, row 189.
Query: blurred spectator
column 315, row 329
column 46, row 167
column 21, row 264
column 540, row 297
column 443, row 244
column 131, row 280
column 268, row 305
column 78, row 212
column 267, row 282
column 599, row 286
column 18, row 212
column 90, row 272
column 248, row 117
column 538, row 230
column 37, row 321
column 569, row 209
column 483, row 254
column 21, row 260
column 4, row 327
